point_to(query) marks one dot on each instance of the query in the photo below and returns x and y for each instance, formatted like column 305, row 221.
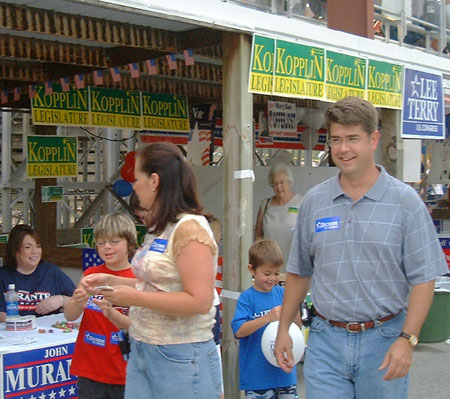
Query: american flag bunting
column 79, row 81
column 115, row 74
column 171, row 61
column 48, row 88
column 16, row 94
column 98, row 77
column 151, row 66
column 134, row 70
column 188, row 57
column 64, row 84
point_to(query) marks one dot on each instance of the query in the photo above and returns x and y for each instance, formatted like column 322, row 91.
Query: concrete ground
column 430, row 373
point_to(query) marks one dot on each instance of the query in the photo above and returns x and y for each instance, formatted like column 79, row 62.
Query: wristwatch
column 412, row 339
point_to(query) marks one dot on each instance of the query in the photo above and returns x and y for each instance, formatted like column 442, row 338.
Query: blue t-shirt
column 45, row 281
column 255, row 372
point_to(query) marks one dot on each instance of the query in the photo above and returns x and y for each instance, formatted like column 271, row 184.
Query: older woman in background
column 277, row 214
column 42, row 287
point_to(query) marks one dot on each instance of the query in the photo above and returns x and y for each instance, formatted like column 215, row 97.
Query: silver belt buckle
column 347, row 327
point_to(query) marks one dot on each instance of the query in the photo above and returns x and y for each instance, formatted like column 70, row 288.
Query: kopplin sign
column 39, row 374
column 423, row 106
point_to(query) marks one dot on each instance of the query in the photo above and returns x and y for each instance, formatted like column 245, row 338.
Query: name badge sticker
column 326, row 224
column 158, row 245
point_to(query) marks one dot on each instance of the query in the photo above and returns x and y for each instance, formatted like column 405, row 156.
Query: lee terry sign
column 52, row 156
column 423, row 106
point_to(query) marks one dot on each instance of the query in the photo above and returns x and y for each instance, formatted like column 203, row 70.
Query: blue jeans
column 188, row 371
column 341, row 364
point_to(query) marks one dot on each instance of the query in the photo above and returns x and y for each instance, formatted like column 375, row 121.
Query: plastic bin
column 437, row 324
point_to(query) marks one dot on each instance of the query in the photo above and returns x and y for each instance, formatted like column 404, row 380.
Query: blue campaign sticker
column 326, row 224
column 114, row 338
column 158, row 245
column 95, row 339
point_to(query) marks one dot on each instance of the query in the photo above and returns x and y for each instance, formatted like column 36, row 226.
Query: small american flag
column 48, row 88
column 79, row 81
column 115, row 74
column 151, row 66
column 134, row 70
column 91, row 258
column 64, row 84
column 98, row 77
column 171, row 61
column 17, row 94
column 189, row 57
column 31, row 91
column 4, row 96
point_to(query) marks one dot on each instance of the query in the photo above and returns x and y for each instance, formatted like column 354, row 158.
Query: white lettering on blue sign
column 95, row 339
column 326, row 224
column 37, row 376
column 39, row 373
column 158, row 245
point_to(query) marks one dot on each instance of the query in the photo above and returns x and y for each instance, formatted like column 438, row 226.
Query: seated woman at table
column 42, row 287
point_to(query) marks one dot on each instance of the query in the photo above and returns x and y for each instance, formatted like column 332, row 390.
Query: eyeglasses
column 113, row 243
column 352, row 140
column 278, row 183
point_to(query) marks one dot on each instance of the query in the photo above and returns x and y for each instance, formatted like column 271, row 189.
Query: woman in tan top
column 171, row 301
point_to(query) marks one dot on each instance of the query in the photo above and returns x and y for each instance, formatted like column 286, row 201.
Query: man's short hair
column 265, row 252
column 353, row 111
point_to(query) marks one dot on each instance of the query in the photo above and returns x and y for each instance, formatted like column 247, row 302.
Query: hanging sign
column 281, row 119
column 119, row 109
column 345, row 76
column 69, row 108
column 165, row 112
column 299, row 70
column 384, row 84
column 423, row 106
column 261, row 65
column 52, row 156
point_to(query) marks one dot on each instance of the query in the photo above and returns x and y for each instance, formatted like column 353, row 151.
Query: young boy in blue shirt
column 256, row 308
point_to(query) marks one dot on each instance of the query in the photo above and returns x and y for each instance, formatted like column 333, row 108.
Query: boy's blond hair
column 265, row 252
column 117, row 225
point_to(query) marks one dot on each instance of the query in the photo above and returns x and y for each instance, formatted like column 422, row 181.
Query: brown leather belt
column 358, row 326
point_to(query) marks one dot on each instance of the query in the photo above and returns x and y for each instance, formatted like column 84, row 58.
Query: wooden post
column 238, row 213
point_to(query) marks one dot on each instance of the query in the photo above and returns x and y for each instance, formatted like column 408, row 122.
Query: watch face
column 413, row 340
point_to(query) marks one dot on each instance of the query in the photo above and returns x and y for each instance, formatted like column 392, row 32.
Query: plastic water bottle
column 12, row 301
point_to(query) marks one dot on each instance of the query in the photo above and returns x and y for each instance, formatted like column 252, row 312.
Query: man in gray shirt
column 367, row 245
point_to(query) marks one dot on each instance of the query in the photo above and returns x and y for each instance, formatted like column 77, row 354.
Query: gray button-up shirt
column 364, row 255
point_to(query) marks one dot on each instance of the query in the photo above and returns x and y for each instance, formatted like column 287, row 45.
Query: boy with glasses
column 98, row 339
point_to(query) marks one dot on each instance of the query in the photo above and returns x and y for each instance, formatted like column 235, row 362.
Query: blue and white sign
column 39, row 373
column 423, row 106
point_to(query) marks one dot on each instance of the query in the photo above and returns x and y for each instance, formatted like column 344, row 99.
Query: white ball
column 268, row 342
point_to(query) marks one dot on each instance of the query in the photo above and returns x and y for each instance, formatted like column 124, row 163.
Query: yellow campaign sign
column 165, row 112
column 60, row 117
column 115, row 108
column 345, row 76
column 69, row 108
column 299, row 70
column 104, row 119
column 385, row 84
column 166, row 124
column 261, row 65
column 52, row 156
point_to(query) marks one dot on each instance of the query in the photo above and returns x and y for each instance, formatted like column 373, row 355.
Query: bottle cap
column 11, row 286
